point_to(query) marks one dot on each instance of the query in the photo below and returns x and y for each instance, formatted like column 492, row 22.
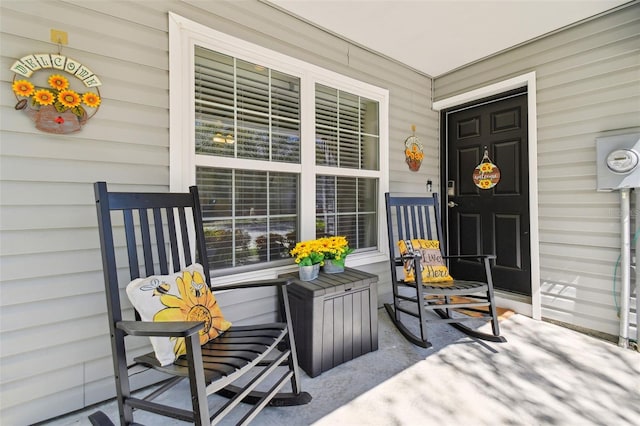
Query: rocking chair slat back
column 415, row 217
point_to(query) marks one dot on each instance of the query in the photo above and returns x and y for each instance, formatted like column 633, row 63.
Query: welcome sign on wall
column 49, row 89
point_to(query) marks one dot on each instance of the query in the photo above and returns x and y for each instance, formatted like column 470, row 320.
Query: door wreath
column 486, row 175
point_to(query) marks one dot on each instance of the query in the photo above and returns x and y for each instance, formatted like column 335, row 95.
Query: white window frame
column 184, row 35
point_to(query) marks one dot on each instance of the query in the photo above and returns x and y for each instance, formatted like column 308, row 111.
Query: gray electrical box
column 618, row 161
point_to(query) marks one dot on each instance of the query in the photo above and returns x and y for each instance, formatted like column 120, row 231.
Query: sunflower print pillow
column 183, row 296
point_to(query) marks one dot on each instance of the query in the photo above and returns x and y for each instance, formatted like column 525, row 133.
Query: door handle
column 452, row 204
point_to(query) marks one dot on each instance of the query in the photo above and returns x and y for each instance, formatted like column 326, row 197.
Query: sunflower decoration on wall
column 50, row 100
column 413, row 151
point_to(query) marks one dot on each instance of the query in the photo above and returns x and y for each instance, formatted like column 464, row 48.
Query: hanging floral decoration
column 486, row 175
column 413, row 151
column 51, row 100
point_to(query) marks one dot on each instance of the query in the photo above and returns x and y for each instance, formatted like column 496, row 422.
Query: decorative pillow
column 431, row 263
column 182, row 296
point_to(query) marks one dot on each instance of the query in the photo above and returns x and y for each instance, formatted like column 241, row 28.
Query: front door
column 484, row 216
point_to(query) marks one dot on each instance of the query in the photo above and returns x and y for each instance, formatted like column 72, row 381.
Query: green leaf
column 59, row 106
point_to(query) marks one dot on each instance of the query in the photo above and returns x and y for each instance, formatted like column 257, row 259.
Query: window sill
column 354, row 260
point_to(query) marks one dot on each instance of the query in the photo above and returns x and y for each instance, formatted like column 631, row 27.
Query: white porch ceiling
column 437, row 36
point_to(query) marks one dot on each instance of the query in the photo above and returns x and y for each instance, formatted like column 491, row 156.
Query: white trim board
column 529, row 81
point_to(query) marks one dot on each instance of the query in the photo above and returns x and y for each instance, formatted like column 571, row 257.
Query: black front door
column 494, row 220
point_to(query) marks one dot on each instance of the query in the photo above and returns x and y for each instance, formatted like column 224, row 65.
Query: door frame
column 528, row 80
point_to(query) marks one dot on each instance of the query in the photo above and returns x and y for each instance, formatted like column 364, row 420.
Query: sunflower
column 196, row 303
column 44, row 97
column 307, row 253
column 58, row 82
column 485, row 183
column 69, row 98
column 23, row 87
column 91, row 99
column 486, row 167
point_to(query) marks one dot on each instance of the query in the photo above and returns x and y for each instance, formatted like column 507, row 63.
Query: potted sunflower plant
column 335, row 250
column 309, row 257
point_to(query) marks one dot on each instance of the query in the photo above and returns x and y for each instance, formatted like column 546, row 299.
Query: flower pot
column 333, row 266
column 48, row 119
column 309, row 273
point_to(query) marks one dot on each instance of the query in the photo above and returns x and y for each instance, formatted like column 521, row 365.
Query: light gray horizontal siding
column 55, row 354
column 588, row 83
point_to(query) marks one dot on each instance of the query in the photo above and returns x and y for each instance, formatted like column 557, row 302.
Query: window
column 347, row 137
column 281, row 150
column 245, row 111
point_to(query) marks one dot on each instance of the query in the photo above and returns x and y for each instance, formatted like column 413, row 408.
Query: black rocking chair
column 154, row 232
column 419, row 218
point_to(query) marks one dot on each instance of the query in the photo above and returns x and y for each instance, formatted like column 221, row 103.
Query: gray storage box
column 335, row 318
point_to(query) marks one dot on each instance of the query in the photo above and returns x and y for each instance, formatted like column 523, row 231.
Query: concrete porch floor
column 544, row 375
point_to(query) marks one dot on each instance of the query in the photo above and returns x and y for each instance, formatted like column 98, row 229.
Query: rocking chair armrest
column 470, row 256
column 162, row 329
column 253, row 284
